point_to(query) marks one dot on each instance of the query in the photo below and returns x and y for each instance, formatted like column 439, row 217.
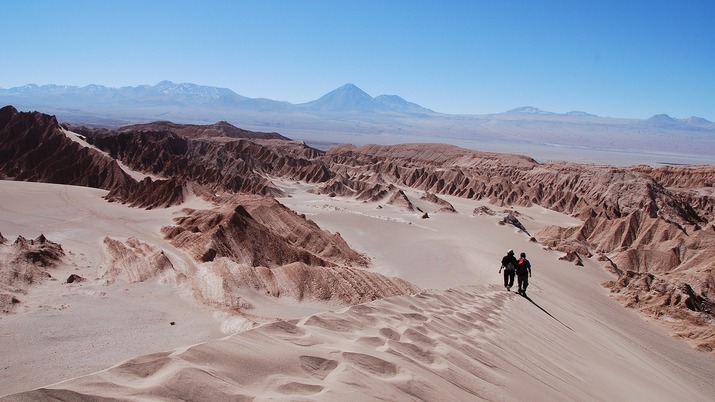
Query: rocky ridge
column 33, row 148
column 23, row 263
column 210, row 164
column 221, row 129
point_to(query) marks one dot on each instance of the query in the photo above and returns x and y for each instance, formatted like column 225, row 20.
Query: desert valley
column 164, row 261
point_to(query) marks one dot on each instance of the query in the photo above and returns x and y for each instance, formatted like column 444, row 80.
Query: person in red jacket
column 523, row 272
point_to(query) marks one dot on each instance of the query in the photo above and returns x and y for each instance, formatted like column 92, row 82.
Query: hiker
column 508, row 264
column 523, row 272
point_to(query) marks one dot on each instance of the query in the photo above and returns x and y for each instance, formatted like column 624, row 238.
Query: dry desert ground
column 461, row 337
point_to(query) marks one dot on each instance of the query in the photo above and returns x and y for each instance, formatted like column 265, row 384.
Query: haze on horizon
column 467, row 57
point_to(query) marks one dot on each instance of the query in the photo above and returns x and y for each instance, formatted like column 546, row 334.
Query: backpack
column 521, row 267
column 509, row 266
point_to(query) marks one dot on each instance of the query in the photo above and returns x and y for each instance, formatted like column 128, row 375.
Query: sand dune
column 463, row 338
column 469, row 343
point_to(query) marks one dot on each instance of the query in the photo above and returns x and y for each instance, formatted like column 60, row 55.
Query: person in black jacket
column 523, row 272
column 508, row 264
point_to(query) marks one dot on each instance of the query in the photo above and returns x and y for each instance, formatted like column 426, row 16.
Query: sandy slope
column 569, row 341
column 443, row 251
column 63, row 330
column 469, row 343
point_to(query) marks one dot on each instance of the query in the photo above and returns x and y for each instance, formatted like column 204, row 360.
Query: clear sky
column 611, row 58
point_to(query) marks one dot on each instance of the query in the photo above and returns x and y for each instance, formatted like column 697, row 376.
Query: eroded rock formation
column 221, row 129
column 23, row 263
column 257, row 243
column 135, row 261
column 34, row 148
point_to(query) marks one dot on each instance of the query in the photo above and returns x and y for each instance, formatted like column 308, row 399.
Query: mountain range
column 350, row 115
column 347, row 98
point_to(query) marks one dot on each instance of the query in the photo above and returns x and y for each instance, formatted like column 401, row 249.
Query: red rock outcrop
column 195, row 131
column 34, row 148
column 256, row 230
column 217, row 163
column 135, row 261
column 444, row 206
column 150, row 193
column 401, row 200
column 255, row 242
column 25, row 262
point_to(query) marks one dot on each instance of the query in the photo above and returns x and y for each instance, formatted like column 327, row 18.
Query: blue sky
column 611, row 58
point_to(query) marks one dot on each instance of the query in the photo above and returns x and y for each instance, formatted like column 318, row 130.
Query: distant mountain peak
column 350, row 90
column 346, row 98
column 697, row 120
column 350, row 98
column 397, row 103
column 661, row 118
column 527, row 110
column 350, row 87
column 531, row 110
column 579, row 113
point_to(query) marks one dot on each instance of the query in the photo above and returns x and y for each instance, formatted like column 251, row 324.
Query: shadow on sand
column 549, row 314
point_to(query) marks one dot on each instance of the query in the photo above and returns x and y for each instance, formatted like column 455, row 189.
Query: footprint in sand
column 297, row 388
column 332, row 324
column 142, row 367
column 363, row 309
column 390, row 334
column 412, row 351
column 317, row 366
column 415, row 317
column 419, row 338
column 372, row 341
column 283, row 327
column 290, row 332
column 371, row 364
column 468, row 316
